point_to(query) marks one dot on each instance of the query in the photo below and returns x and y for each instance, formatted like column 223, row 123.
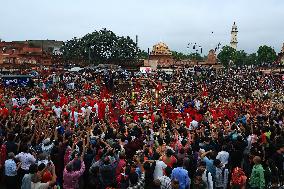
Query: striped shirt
column 140, row 184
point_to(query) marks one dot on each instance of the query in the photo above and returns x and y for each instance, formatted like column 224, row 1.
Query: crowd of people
column 198, row 128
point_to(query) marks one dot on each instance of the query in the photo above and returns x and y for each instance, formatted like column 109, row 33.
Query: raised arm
column 53, row 180
column 205, row 154
column 82, row 169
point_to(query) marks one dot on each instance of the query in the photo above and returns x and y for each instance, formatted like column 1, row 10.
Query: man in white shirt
column 23, row 100
column 193, row 124
column 197, row 104
column 83, row 110
column 11, row 169
column 26, row 159
column 74, row 115
column 96, row 106
column 223, row 156
column 159, row 169
column 57, row 111
column 15, row 102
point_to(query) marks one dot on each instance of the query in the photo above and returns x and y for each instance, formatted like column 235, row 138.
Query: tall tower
column 234, row 34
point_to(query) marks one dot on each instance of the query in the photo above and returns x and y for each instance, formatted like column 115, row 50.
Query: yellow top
column 161, row 49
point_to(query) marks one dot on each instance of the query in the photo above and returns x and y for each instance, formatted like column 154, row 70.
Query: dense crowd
column 193, row 128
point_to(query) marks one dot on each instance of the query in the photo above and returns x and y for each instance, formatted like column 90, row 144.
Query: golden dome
column 161, row 49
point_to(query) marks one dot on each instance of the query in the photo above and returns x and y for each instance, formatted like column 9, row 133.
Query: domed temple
column 161, row 49
column 162, row 55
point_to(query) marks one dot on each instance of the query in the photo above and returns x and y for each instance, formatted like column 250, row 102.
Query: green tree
column 126, row 50
column 102, row 46
column 226, row 55
column 251, row 59
column 195, row 56
column 71, row 51
column 143, row 55
column 266, row 55
column 240, row 58
column 177, row 56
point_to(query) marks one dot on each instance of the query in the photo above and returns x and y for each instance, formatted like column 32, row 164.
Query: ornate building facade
column 26, row 53
column 162, row 55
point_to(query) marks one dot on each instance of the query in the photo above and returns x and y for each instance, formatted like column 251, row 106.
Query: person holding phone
column 71, row 174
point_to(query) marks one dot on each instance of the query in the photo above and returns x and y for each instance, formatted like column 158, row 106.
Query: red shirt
column 188, row 121
column 5, row 112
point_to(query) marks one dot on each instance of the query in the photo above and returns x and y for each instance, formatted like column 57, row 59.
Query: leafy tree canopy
column 226, row 55
column 102, row 46
column 266, row 54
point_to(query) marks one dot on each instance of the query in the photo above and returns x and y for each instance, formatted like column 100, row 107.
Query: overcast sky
column 175, row 22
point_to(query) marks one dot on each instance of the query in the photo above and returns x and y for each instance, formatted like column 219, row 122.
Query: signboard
column 145, row 69
column 21, row 81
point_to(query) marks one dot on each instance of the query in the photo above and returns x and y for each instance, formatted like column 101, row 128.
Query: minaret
column 234, row 33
